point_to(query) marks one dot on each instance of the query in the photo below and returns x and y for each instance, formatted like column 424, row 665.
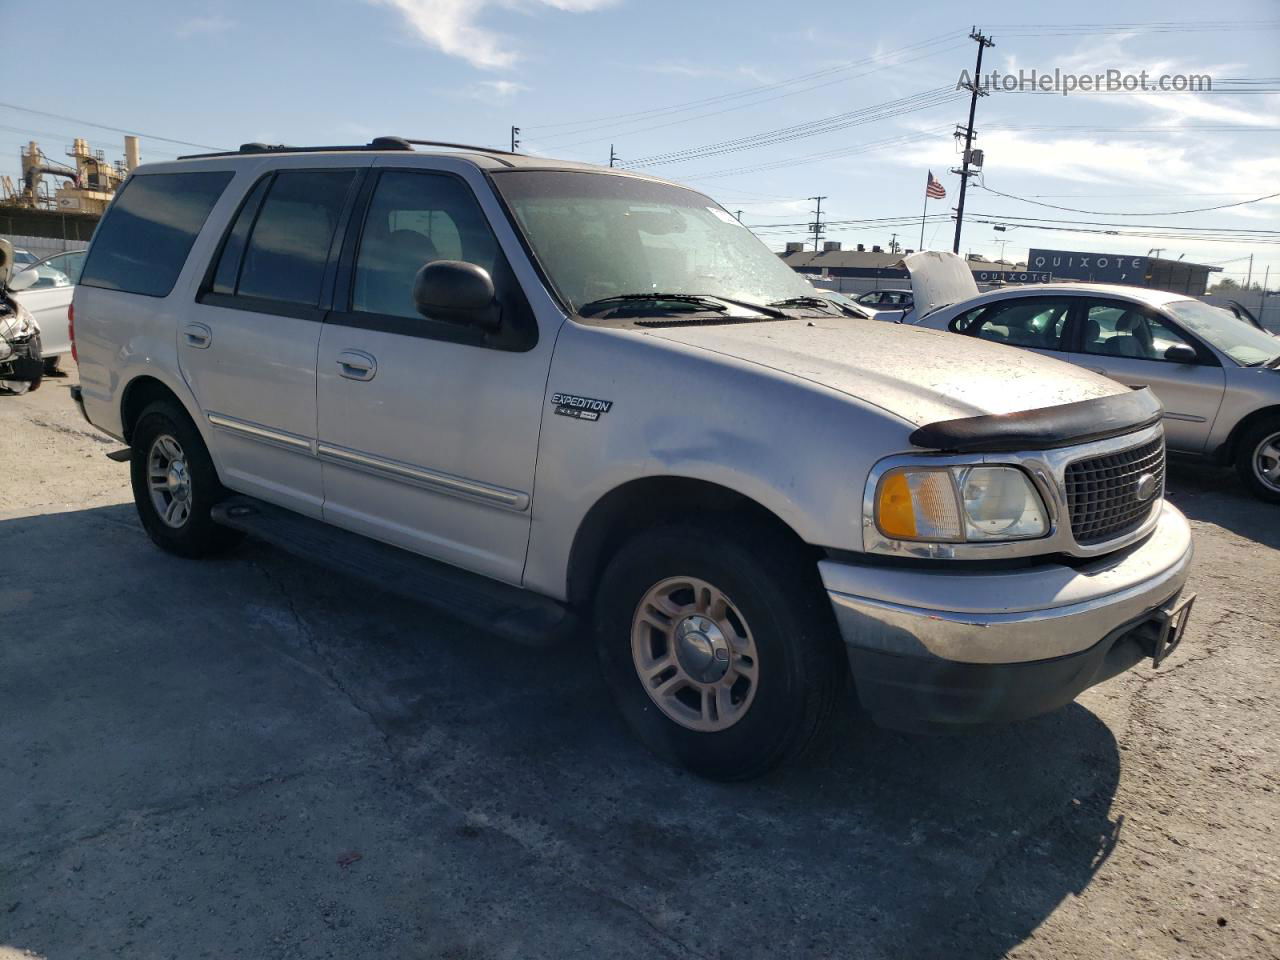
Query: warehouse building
column 862, row 269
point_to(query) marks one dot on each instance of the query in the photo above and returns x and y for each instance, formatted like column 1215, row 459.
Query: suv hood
column 920, row 375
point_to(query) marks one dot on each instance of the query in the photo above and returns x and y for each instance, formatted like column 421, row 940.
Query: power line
column 1182, row 238
column 687, row 105
column 925, row 99
column 1119, row 213
column 1161, row 226
column 839, row 152
column 714, row 113
column 1167, row 26
column 103, row 126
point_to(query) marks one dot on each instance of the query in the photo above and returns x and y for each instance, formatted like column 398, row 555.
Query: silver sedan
column 1217, row 377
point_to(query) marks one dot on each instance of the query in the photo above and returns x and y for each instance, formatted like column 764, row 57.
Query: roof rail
column 377, row 143
column 457, row 146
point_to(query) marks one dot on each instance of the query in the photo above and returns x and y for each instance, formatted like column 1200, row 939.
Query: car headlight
column 959, row 504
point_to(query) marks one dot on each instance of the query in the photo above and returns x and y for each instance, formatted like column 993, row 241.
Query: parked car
column 48, row 299
column 886, row 299
column 543, row 395
column 21, row 364
column 1218, row 378
column 23, row 258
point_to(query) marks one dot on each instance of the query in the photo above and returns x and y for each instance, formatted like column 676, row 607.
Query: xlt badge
column 581, row 408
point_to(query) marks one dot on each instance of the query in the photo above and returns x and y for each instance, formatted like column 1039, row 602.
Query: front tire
column 175, row 484
column 721, row 651
column 1258, row 459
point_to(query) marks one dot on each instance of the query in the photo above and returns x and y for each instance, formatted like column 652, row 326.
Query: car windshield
column 599, row 236
column 1245, row 344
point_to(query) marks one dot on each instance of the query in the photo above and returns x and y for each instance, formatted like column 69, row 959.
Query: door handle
column 357, row 365
column 198, row 335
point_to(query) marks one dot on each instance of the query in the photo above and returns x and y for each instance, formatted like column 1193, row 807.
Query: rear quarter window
column 147, row 233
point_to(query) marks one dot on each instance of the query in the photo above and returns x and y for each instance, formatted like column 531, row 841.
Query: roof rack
column 377, row 143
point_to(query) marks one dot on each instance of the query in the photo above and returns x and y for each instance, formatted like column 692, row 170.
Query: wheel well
column 138, row 395
column 1227, row 452
column 641, row 504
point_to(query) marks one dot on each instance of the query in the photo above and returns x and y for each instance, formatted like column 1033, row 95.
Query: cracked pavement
column 191, row 754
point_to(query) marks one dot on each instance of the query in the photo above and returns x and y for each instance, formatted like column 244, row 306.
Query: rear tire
column 175, row 484
column 1258, row 459
column 721, row 651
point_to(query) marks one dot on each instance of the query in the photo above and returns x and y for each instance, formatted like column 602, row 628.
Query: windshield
column 1245, row 344
column 600, row 236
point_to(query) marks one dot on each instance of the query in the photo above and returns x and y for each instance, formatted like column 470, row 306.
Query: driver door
column 428, row 430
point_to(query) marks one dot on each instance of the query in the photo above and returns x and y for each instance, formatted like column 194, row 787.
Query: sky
column 854, row 102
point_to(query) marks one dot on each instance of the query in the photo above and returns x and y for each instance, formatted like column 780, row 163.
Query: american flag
column 934, row 189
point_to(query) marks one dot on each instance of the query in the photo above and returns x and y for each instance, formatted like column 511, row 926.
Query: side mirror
column 23, row 279
column 457, row 292
column 1179, row 353
column 6, row 263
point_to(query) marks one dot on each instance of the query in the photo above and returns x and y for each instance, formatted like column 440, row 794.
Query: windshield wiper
column 821, row 302
column 680, row 303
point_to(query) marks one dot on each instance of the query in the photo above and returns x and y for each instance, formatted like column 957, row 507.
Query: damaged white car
column 21, row 363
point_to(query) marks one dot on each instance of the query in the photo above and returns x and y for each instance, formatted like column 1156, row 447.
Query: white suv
column 541, row 394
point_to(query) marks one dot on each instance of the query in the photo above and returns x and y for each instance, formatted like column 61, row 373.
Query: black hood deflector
column 1045, row 428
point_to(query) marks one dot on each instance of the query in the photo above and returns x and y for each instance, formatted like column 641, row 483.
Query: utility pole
column 738, row 216
column 613, row 157
column 976, row 91
column 816, row 226
column 515, row 139
column 1249, row 278
column 893, row 244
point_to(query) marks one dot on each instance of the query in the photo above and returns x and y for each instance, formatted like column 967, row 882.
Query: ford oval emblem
column 1147, row 487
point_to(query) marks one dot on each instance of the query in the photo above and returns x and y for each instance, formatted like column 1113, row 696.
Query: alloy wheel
column 694, row 654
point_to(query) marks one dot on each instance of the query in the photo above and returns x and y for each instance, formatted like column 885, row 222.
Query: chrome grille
column 1102, row 492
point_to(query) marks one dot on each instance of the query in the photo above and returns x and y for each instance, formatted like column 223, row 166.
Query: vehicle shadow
column 889, row 846
column 1214, row 494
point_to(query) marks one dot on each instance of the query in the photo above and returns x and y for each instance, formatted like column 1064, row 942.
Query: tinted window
column 145, row 237
column 1127, row 330
column 288, row 248
column 415, row 218
column 228, row 271
column 1025, row 322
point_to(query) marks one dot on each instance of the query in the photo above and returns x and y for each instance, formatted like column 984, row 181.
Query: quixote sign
column 1012, row 276
column 1099, row 267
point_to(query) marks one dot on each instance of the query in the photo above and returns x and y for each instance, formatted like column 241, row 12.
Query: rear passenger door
column 1129, row 342
column 429, row 430
column 248, row 347
column 1033, row 323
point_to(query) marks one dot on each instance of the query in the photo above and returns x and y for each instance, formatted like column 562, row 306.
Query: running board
column 518, row 615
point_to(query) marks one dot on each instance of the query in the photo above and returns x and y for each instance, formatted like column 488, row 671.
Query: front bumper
column 955, row 647
column 25, row 364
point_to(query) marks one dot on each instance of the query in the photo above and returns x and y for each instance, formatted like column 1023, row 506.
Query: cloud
column 502, row 88
column 452, row 27
column 198, row 26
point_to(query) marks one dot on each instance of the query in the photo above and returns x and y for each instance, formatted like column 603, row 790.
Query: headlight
column 959, row 504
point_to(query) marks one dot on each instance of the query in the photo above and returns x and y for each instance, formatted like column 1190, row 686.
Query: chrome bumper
column 1007, row 616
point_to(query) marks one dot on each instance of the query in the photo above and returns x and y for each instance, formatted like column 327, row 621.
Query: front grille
column 1102, row 492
